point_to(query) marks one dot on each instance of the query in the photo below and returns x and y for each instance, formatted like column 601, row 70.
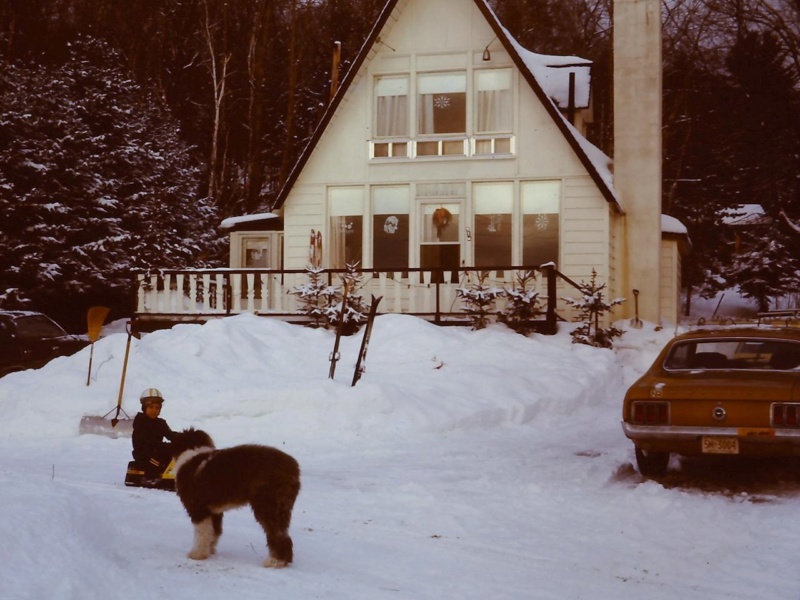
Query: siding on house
column 670, row 281
column 416, row 43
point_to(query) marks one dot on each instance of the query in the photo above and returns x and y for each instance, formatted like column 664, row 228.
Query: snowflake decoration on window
column 441, row 101
column 542, row 222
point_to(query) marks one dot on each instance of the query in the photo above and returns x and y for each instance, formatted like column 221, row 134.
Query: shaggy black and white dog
column 211, row 481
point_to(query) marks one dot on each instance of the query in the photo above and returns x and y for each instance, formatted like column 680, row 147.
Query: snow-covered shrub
column 591, row 308
column 479, row 301
column 523, row 304
column 355, row 309
column 315, row 297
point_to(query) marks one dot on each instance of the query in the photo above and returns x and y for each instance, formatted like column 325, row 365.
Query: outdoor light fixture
column 487, row 56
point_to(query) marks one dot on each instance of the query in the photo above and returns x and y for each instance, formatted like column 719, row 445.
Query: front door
column 440, row 236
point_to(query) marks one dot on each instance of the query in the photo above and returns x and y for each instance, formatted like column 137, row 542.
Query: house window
column 440, row 243
column 390, row 227
column 540, row 221
column 391, row 95
column 346, row 210
column 442, row 104
column 493, row 101
column 492, row 236
column 256, row 253
column 391, row 117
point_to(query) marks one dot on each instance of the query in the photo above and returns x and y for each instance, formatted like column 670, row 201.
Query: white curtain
column 336, row 248
column 494, row 111
column 426, row 114
column 392, row 116
column 391, row 106
column 493, row 101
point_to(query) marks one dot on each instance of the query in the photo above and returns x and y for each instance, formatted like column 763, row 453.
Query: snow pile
column 464, row 464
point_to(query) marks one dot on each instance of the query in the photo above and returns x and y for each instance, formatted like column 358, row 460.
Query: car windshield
column 36, row 327
column 762, row 354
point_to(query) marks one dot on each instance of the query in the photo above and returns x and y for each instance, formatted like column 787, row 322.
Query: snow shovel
column 116, row 426
column 94, row 319
column 636, row 322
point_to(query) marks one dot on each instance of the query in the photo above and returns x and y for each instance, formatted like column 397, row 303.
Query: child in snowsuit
column 150, row 451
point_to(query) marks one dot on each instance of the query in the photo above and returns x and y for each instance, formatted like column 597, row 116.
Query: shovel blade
column 636, row 323
column 112, row 428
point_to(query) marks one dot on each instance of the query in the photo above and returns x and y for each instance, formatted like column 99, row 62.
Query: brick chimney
column 637, row 148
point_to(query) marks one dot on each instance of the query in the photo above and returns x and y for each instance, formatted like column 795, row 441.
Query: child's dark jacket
column 148, row 438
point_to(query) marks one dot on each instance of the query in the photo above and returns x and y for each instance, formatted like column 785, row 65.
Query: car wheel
column 651, row 464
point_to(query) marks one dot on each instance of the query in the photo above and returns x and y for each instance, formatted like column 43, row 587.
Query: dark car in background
column 732, row 392
column 29, row 340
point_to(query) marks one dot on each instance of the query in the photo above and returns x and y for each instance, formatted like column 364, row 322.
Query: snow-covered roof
column 673, row 225
column 232, row 222
column 745, row 214
column 552, row 73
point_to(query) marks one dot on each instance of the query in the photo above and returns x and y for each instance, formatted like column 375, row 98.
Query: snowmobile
column 135, row 477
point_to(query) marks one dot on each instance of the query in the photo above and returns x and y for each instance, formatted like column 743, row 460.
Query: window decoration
column 390, row 227
column 391, row 224
column 441, row 220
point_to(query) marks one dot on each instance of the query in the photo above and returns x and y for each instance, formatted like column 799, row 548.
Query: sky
column 464, row 464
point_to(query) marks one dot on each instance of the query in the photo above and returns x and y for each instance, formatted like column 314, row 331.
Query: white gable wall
column 442, row 35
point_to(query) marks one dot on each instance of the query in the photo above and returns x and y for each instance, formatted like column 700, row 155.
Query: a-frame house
column 449, row 145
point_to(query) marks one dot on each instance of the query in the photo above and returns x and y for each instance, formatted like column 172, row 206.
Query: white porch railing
column 172, row 296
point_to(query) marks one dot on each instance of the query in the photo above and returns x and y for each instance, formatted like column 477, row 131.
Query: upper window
column 493, row 101
column 442, row 106
column 391, row 110
column 454, row 113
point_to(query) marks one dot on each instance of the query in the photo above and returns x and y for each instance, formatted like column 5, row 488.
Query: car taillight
column 650, row 413
column 785, row 415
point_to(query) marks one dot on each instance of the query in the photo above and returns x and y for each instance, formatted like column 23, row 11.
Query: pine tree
column 523, row 304
column 94, row 183
column 315, row 297
column 591, row 308
column 479, row 301
column 355, row 308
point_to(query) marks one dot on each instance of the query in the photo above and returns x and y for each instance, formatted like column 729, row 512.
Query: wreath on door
column 441, row 219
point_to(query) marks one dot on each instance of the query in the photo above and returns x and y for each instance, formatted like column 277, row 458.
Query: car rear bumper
column 687, row 440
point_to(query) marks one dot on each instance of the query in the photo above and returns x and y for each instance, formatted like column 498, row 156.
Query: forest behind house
column 130, row 129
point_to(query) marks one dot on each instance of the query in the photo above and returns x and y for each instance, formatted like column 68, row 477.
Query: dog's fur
column 211, row 481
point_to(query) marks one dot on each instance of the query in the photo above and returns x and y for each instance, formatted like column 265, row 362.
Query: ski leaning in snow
column 335, row 356
column 362, row 353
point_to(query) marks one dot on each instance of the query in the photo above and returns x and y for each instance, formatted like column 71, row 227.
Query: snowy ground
column 464, row 465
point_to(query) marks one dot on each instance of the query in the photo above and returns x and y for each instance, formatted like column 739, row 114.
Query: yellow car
column 732, row 391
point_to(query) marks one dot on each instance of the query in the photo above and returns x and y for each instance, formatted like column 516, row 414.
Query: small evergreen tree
column 591, row 307
column 315, row 297
column 523, row 304
column 355, row 309
column 479, row 301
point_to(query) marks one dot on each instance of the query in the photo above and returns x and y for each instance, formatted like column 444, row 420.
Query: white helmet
column 151, row 396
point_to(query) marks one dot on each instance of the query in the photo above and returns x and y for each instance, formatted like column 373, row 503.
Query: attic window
column 391, row 97
column 493, row 101
column 442, row 103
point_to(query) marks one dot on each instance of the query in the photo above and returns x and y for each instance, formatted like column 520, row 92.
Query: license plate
column 720, row 445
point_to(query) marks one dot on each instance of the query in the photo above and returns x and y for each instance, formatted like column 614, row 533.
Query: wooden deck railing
column 167, row 297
